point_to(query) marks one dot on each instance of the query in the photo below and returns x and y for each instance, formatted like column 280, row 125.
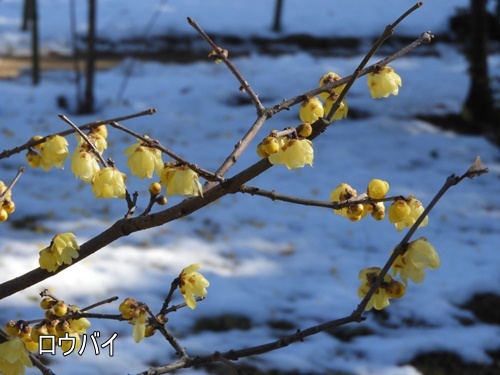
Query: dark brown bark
column 87, row 106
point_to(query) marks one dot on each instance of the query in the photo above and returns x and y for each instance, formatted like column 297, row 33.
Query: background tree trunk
column 32, row 17
column 278, row 10
column 87, row 106
column 478, row 107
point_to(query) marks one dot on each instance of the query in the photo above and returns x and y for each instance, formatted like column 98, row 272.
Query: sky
column 266, row 261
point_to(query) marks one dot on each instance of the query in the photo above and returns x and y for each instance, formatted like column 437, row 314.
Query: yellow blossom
column 84, row 164
column 3, row 194
column 53, row 152
column 108, row 183
column 415, row 210
column 419, row 255
column 180, row 180
column 311, row 110
column 341, row 193
column 329, row 78
column 13, row 357
column 341, row 111
column 377, row 189
column 192, row 283
column 398, row 211
column 389, row 288
column 383, row 82
column 33, row 158
column 63, row 249
column 139, row 323
column 296, row 153
column 144, row 160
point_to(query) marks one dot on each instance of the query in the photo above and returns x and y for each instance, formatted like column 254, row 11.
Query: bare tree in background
column 87, row 105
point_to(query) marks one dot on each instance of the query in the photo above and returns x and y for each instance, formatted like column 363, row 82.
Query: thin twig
column 39, row 365
column 173, row 286
column 100, row 303
column 223, row 56
column 90, row 125
column 20, row 171
column 85, row 138
column 207, row 175
column 273, row 195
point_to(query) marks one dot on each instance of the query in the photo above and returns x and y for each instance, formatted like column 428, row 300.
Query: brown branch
column 273, row 195
column 90, row 125
column 223, row 56
column 20, row 171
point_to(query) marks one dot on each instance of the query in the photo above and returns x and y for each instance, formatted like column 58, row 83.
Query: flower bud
column 8, row 206
column 155, row 188
column 161, row 200
column 270, row 145
column 60, row 308
column 330, row 78
column 311, row 110
column 47, row 303
column 33, row 158
column 12, row 328
column 3, row 215
column 34, row 139
column 304, row 130
column 377, row 189
column 398, row 211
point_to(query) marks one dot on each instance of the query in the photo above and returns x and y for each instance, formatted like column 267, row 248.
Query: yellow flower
column 294, row 153
column 144, row 160
column 383, row 82
column 53, row 152
column 377, row 189
column 192, row 284
column 3, row 188
column 329, row 78
column 108, row 183
column 63, row 249
column 419, row 255
column 416, row 209
column 13, row 357
column 311, row 110
column 33, row 158
column 389, row 288
column 97, row 136
column 341, row 111
column 180, row 180
column 84, row 164
column 139, row 325
column 341, row 193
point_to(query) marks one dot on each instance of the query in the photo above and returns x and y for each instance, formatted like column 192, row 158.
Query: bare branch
column 20, row 171
column 222, row 54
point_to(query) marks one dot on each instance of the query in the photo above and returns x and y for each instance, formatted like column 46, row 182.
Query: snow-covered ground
column 267, row 261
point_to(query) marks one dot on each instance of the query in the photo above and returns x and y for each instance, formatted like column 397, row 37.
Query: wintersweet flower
column 109, row 183
column 414, row 209
column 33, row 158
column 3, row 194
column 330, row 78
column 377, row 189
column 383, row 82
column 144, row 160
column 295, row 153
column 62, row 250
column 419, row 255
column 84, row 164
column 180, row 180
column 311, row 110
column 341, row 111
column 53, row 152
column 139, row 323
column 389, row 288
column 341, row 193
column 192, row 283
column 13, row 357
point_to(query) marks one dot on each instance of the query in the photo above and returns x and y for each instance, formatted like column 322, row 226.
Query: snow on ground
column 267, row 261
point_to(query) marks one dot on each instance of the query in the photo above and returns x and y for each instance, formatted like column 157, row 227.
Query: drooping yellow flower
column 53, row 152
column 377, row 189
column 144, row 160
column 62, row 250
column 341, row 193
column 329, row 78
column 311, row 110
column 293, row 153
column 383, row 82
column 84, row 164
column 414, row 209
column 13, row 357
column 180, row 180
column 192, row 283
column 139, row 323
column 341, row 111
column 109, row 183
column 419, row 255
column 389, row 288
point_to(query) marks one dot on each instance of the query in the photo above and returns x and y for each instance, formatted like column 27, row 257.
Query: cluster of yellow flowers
column 137, row 313
column 411, row 264
column 62, row 250
column 402, row 212
column 52, row 152
column 377, row 189
column 7, row 205
column 57, row 323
